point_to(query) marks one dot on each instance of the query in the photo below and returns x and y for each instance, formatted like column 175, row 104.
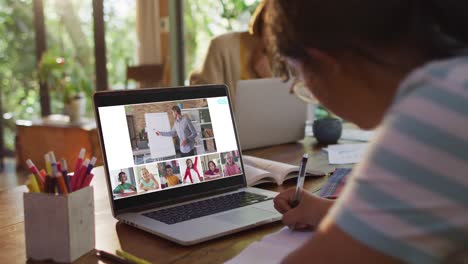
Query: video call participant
column 171, row 179
column 213, row 172
column 191, row 172
column 120, row 189
column 148, row 182
column 184, row 130
column 231, row 168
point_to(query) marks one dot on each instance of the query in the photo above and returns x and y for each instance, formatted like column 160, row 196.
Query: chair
column 148, row 75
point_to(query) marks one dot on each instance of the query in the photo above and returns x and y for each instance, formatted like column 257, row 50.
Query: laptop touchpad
column 246, row 215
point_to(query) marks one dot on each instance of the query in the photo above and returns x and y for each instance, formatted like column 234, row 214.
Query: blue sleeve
column 171, row 133
column 193, row 132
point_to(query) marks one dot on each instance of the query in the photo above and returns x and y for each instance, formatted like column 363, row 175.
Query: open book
column 258, row 170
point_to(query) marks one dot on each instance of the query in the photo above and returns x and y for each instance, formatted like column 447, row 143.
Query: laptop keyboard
column 202, row 208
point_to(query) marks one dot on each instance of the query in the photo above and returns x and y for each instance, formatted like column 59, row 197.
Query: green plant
column 65, row 78
column 321, row 112
column 19, row 86
column 205, row 19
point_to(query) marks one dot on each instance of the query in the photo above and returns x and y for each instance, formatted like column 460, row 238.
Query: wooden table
column 111, row 235
column 36, row 138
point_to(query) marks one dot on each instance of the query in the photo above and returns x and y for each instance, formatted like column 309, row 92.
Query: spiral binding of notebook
column 335, row 184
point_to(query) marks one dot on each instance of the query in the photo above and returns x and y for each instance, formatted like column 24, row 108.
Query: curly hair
column 437, row 28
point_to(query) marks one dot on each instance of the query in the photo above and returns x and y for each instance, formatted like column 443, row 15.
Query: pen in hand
column 300, row 183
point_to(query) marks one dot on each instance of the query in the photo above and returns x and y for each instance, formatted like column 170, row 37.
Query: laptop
column 267, row 114
column 187, row 191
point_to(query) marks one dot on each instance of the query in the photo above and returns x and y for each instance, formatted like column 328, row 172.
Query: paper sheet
column 357, row 134
column 272, row 248
column 345, row 153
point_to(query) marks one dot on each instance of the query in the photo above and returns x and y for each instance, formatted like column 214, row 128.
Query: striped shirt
column 409, row 197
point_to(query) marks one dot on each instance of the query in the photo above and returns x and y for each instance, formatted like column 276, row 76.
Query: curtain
column 149, row 32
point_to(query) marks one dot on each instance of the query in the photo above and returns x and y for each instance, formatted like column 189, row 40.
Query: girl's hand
column 307, row 214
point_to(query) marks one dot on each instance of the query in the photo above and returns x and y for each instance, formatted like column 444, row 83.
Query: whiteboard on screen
column 160, row 146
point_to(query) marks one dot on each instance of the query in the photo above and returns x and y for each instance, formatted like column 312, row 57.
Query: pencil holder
column 59, row 227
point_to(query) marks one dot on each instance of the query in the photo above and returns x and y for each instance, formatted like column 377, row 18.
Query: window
column 205, row 19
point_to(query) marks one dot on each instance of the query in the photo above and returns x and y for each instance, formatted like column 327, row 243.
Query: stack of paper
column 357, row 134
column 272, row 248
column 345, row 153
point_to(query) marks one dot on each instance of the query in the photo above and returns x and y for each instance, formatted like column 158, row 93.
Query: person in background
column 184, row 129
column 400, row 65
column 161, row 168
column 148, row 182
column 212, row 172
column 124, row 185
column 191, row 172
column 231, row 168
column 171, row 179
column 236, row 56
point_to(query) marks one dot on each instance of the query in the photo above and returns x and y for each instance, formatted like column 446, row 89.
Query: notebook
column 173, row 163
column 335, row 184
column 272, row 248
column 267, row 114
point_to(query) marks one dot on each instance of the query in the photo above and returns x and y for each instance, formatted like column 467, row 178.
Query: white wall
column 116, row 137
column 221, row 120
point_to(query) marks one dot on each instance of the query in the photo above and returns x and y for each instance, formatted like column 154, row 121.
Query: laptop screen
column 157, row 147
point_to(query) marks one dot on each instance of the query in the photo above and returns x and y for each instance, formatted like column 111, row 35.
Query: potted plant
column 67, row 82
